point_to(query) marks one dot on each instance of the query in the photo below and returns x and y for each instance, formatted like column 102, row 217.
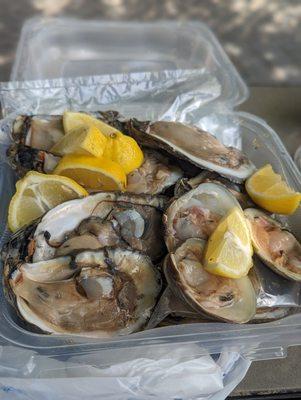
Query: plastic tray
column 69, row 48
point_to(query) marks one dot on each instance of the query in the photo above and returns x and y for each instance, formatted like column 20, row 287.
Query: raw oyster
column 24, row 158
column 43, row 131
column 197, row 213
column 278, row 248
column 232, row 300
column 39, row 132
column 155, row 175
column 34, row 136
column 97, row 294
column 184, row 185
column 94, row 222
column 192, row 144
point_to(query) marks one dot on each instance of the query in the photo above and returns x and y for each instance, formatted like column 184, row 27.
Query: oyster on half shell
column 34, row 136
column 277, row 247
column 192, row 144
column 97, row 293
column 24, row 158
column 39, row 132
column 156, row 174
column 43, row 131
column 96, row 221
column 231, row 300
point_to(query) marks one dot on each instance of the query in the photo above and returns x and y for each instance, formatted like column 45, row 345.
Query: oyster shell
column 192, row 144
column 277, row 248
column 94, row 222
column 43, row 131
column 197, row 213
column 39, row 131
column 97, row 294
column 232, row 300
column 156, row 174
column 184, row 185
column 24, row 158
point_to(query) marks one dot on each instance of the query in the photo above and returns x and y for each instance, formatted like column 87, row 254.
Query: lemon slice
column 92, row 173
column 229, row 249
column 269, row 191
column 37, row 193
column 83, row 141
column 74, row 120
column 124, row 150
column 120, row 148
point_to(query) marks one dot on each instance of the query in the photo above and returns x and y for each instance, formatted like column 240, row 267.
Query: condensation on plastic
column 182, row 375
column 241, row 130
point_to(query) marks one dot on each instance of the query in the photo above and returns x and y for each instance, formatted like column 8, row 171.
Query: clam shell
column 230, row 300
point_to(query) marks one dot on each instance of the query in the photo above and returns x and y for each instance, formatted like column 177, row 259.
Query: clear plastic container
column 297, row 157
column 69, row 48
column 64, row 48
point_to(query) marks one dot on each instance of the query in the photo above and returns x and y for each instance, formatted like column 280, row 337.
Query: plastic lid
column 61, row 48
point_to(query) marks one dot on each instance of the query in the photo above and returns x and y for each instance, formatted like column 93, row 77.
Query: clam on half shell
column 197, row 213
column 193, row 144
column 231, row 300
column 184, row 185
column 277, row 247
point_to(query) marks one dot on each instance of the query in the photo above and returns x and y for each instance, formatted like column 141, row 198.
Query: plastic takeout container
column 68, row 48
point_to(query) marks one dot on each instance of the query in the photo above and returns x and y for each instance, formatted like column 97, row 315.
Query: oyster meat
column 231, row 300
column 96, row 221
column 192, row 144
column 39, row 132
column 97, row 293
column 277, row 247
column 24, row 158
column 197, row 213
column 34, row 136
column 156, row 174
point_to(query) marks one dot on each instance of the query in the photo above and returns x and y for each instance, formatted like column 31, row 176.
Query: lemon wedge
column 268, row 190
column 92, row 173
column 37, row 193
column 82, row 141
column 229, row 249
column 74, row 120
column 120, row 148
column 124, row 150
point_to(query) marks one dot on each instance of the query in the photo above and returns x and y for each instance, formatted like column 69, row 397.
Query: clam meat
column 185, row 184
column 197, row 213
column 276, row 246
column 231, row 300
